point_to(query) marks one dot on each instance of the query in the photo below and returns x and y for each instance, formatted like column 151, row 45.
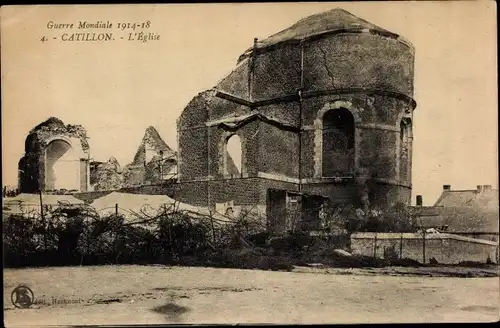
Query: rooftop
column 459, row 219
column 329, row 21
column 483, row 196
column 472, row 210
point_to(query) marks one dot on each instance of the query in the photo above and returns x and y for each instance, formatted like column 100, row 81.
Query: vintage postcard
column 257, row 163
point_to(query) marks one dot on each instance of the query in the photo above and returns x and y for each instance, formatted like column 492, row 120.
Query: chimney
column 486, row 187
column 420, row 201
column 446, row 187
column 479, row 189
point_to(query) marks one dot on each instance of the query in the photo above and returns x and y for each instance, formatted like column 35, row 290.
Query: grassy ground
column 160, row 294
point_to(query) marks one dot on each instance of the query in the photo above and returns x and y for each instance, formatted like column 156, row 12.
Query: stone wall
column 491, row 236
column 33, row 166
column 444, row 248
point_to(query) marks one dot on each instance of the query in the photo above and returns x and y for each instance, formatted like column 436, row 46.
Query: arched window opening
column 233, row 163
column 404, row 135
column 62, row 168
column 338, row 143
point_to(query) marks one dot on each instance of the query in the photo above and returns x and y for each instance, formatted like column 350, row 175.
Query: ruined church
column 319, row 111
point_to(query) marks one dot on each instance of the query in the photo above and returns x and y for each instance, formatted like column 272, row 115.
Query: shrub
column 348, row 219
column 71, row 235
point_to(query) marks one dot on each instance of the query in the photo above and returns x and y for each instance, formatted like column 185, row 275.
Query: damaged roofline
column 312, row 37
column 239, row 64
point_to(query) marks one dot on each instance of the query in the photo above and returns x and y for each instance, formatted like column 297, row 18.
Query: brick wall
column 278, row 151
column 243, row 191
column 219, row 108
column 284, row 112
column 342, row 192
column 196, row 112
column 192, row 192
column 237, row 82
column 381, row 63
column 378, row 153
column 370, row 74
column 276, row 73
column 382, row 194
column 193, row 148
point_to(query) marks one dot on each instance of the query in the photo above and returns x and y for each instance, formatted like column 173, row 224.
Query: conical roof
column 328, row 21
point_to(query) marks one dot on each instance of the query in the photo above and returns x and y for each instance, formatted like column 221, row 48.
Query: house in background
column 483, row 196
column 471, row 213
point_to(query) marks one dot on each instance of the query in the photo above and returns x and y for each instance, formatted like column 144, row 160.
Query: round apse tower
column 354, row 82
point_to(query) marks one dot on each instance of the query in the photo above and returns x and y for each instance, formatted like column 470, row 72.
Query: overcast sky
column 117, row 89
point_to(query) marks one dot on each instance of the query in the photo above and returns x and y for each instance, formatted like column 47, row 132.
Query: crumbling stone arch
column 65, row 164
column 344, row 107
column 61, row 165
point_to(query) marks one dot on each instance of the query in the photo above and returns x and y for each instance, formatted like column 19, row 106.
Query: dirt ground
column 160, row 294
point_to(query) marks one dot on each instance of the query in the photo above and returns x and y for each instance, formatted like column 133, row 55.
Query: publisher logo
column 22, row 297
